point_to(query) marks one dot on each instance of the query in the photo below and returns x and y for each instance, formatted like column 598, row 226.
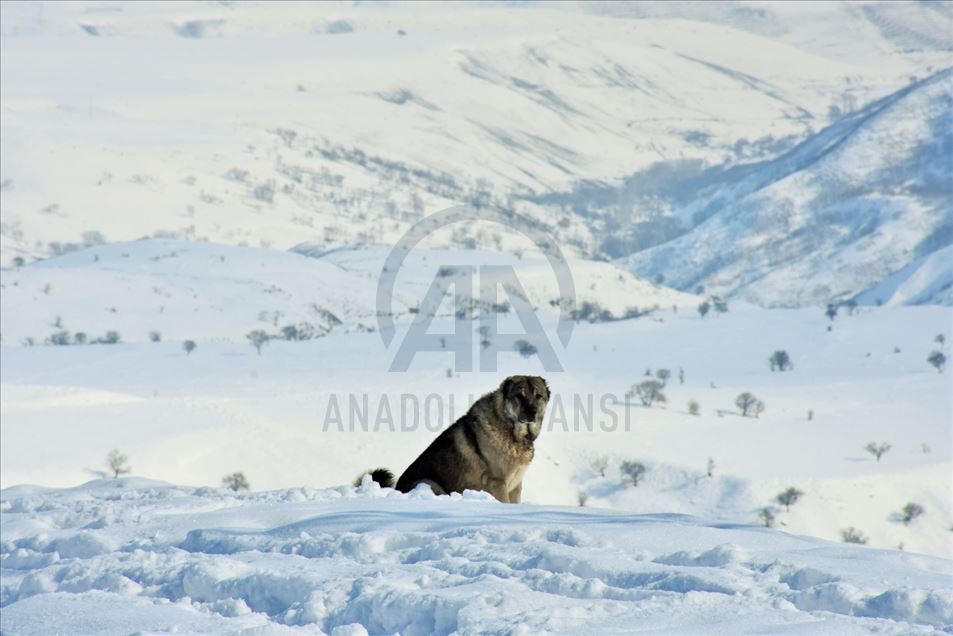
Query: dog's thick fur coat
column 488, row 449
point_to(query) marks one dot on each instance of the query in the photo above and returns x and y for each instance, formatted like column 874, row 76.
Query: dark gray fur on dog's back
column 489, row 448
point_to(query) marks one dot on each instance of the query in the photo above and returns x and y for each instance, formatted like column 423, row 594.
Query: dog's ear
column 546, row 386
column 506, row 386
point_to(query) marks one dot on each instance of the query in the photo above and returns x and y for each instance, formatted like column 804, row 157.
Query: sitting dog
column 488, row 449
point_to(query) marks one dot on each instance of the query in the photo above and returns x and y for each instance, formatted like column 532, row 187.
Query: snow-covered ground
column 132, row 555
column 194, row 418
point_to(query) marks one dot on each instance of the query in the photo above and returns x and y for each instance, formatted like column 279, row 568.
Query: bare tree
column 257, row 339
column 766, row 517
column 788, row 498
column 634, row 471
column 117, row 463
column 155, row 336
column 940, row 339
column 877, row 450
column 648, row 392
column 910, row 512
column 236, row 482
column 599, row 465
column 750, row 405
column 663, row 375
column 780, row 361
column 189, row 346
column 582, row 497
column 704, row 308
column 693, row 407
column 831, row 311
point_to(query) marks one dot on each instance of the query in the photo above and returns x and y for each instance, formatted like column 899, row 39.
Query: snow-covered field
column 178, row 175
column 141, row 556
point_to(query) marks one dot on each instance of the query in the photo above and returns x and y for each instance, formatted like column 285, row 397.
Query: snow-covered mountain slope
column 137, row 556
column 837, row 215
column 928, row 280
column 207, row 292
column 275, row 124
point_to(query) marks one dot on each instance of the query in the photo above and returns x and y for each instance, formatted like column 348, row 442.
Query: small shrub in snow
column 710, row 467
column 79, row 338
column 60, row 338
column 111, row 337
column 780, row 361
column 937, row 359
column 663, row 375
column 704, row 308
column 188, row 346
column 852, row 535
column 910, row 512
column 766, row 517
column 155, row 336
column 831, row 311
column 117, row 463
column 582, row 497
column 236, row 482
column 940, row 339
column 877, row 450
column 257, row 339
column 599, row 465
column 693, row 407
column 720, row 305
column 788, row 498
column 634, row 471
column 750, row 405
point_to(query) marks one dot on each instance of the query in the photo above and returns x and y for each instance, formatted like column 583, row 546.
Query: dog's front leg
column 516, row 493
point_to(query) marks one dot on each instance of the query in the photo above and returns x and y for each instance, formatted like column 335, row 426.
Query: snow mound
column 131, row 555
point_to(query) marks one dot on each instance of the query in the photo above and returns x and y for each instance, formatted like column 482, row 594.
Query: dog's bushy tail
column 383, row 477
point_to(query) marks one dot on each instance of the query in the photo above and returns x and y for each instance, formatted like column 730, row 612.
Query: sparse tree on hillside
column 188, row 346
column 663, row 375
column 236, row 482
column 750, row 405
column 710, row 467
column 155, row 336
column 117, row 463
column 877, row 450
column 766, row 517
column 910, row 512
column 704, row 308
column 938, row 360
column 524, row 348
column 634, row 471
column 720, row 305
column 649, row 392
column 831, row 311
column 18, row 261
column 852, row 535
column 780, row 361
column 599, row 465
column 582, row 497
column 940, row 339
column 788, row 498
column 60, row 338
column 681, row 375
column 693, row 407
column 79, row 338
column 257, row 339
column 289, row 332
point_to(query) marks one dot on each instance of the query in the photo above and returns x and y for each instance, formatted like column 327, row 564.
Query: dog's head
column 524, row 402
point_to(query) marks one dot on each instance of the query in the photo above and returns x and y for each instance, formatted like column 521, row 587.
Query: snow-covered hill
column 207, row 292
column 139, row 556
column 264, row 124
column 837, row 215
